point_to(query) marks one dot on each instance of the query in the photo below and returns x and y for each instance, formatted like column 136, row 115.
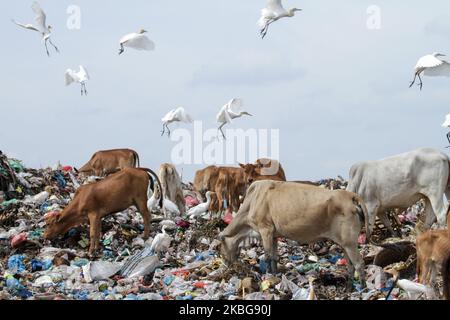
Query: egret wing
column 168, row 116
column 428, row 61
column 83, row 73
column 235, row 104
column 275, row 6
column 69, row 77
column 141, row 42
column 26, row 26
column 184, row 116
column 442, row 70
column 40, row 17
column 446, row 124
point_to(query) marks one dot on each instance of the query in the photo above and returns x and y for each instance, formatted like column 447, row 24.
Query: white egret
column 136, row 40
column 446, row 124
column 175, row 115
column 81, row 77
column 40, row 26
column 201, row 208
column 229, row 112
column 431, row 65
column 168, row 206
column 273, row 11
column 161, row 242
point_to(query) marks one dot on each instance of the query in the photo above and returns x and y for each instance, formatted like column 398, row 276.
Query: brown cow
column 106, row 162
column 92, row 202
column 205, row 180
column 171, row 185
column 263, row 169
column 230, row 186
column 299, row 212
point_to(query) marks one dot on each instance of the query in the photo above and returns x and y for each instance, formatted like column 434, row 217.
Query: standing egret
column 81, row 77
column 446, row 124
column 227, row 113
column 273, row 11
column 161, row 242
column 175, row 115
column 40, row 26
column 201, row 208
column 136, row 40
column 168, row 206
column 431, row 65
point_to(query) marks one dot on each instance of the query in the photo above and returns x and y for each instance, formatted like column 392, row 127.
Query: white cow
column 400, row 181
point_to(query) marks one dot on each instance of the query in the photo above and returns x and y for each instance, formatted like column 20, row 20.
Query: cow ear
column 242, row 165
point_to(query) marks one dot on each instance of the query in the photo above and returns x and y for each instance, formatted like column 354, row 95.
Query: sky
column 336, row 90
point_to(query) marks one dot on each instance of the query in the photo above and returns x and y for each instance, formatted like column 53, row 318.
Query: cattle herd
column 271, row 207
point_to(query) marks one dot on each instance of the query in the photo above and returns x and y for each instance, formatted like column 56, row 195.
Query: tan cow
column 92, row 202
column 106, row 162
column 299, row 212
column 171, row 185
column 433, row 251
column 263, row 169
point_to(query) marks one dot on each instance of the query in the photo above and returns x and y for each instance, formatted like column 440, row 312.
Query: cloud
column 249, row 69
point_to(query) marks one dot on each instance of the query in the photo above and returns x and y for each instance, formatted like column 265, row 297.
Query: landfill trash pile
column 190, row 269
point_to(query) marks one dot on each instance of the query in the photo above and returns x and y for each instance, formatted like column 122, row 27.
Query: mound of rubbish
column 191, row 269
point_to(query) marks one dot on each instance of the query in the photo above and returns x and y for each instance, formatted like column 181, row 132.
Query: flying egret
column 431, row 65
column 273, row 11
column 136, row 40
column 228, row 112
column 175, row 115
column 201, row 208
column 40, row 26
column 161, row 242
column 81, row 77
column 446, row 124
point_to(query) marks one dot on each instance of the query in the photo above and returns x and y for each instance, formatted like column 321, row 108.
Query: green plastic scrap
column 16, row 165
column 6, row 204
column 304, row 268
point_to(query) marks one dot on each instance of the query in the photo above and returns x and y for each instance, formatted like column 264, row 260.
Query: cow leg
column 146, row 216
column 385, row 220
column 269, row 244
column 95, row 230
column 351, row 251
column 439, row 210
column 372, row 210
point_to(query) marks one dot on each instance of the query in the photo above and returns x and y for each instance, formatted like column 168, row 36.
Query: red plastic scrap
column 18, row 239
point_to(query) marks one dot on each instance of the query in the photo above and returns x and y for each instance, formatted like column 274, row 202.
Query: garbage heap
column 191, row 268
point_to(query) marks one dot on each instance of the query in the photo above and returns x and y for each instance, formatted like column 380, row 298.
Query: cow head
column 61, row 222
column 229, row 249
column 249, row 172
column 52, row 226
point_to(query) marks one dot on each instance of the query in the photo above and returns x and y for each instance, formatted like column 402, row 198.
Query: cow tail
column 446, row 277
column 151, row 172
column 137, row 162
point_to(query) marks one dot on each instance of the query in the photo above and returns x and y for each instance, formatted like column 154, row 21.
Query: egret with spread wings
column 431, row 65
column 39, row 26
column 273, row 11
column 229, row 112
column 175, row 115
column 136, row 40
column 81, row 77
